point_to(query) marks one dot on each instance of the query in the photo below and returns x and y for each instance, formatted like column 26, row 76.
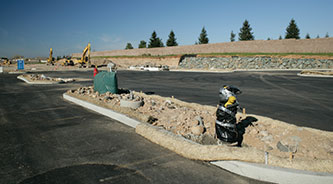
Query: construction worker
column 225, row 125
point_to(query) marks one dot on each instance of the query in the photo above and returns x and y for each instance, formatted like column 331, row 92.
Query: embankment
column 319, row 45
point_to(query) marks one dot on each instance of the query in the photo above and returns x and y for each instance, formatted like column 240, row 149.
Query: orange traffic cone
column 95, row 71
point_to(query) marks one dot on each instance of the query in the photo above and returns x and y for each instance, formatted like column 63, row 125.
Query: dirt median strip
column 25, row 79
column 30, row 79
column 196, row 151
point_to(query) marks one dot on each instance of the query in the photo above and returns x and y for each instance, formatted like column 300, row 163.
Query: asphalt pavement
column 44, row 139
column 281, row 95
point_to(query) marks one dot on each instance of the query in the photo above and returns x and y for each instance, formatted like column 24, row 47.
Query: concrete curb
column 106, row 112
column 25, row 80
column 274, row 174
column 256, row 171
column 203, row 71
column 17, row 72
column 322, row 76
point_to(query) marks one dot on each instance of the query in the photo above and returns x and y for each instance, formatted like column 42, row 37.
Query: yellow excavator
column 51, row 59
column 85, row 59
column 68, row 62
column 6, row 61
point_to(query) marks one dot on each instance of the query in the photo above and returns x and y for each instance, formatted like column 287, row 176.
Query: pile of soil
column 313, row 72
column 197, row 123
column 42, row 77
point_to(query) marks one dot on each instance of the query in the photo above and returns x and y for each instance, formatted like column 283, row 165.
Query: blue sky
column 31, row 27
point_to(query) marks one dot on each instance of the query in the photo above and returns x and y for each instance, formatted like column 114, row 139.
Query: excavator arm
column 85, row 53
column 50, row 60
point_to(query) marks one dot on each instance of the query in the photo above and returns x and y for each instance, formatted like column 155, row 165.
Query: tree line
column 245, row 33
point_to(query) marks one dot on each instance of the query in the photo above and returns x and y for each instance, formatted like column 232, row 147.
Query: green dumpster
column 106, row 81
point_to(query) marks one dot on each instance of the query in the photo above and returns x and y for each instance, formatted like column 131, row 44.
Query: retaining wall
column 320, row 45
column 254, row 63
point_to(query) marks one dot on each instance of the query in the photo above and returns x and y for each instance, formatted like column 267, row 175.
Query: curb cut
column 274, row 174
column 25, row 80
column 251, row 170
column 321, row 76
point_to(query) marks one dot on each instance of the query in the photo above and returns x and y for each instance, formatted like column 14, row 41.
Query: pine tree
column 172, row 40
column 143, row 44
column 232, row 36
column 245, row 32
column 268, row 38
column 327, row 36
column 292, row 30
column 280, row 37
column 129, row 46
column 203, row 39
column 318, row 36
column 155, row 41
column 307, row 36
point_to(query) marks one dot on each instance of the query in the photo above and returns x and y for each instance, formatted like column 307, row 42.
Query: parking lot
column 45, row 139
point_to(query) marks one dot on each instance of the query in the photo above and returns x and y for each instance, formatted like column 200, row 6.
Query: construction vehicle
column 85, row 59
column 6, row 61
column 51, row 59
column 68, row 62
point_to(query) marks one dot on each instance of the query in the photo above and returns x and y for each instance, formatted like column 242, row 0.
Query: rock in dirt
column 199, row 118
column 290, row 143
column 197, row 130
column 208, row 140
column 282, row 147
column 267, row 139
column 151, row 120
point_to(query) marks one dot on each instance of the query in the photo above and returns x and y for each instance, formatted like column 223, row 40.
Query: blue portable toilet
column 20, row 64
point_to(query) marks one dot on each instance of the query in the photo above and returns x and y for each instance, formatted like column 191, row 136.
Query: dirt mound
column 313, row 72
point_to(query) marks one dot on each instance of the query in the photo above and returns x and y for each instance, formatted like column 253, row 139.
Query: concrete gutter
column 256, row 171
column 29, row 82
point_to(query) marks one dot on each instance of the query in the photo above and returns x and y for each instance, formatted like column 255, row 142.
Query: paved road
column 279, row 95
column 44, row 139
column 303, row 101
